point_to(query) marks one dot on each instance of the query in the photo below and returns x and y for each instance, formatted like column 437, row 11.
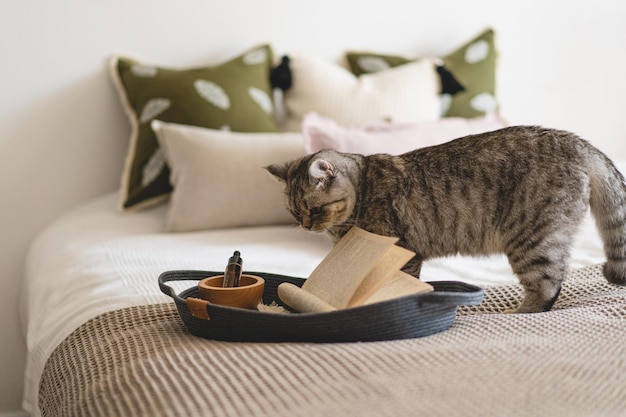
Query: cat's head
column 319, row 189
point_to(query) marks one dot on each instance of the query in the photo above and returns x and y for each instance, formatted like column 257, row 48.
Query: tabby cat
column 521, row 191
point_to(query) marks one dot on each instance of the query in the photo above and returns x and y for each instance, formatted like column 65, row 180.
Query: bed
column 103, row 340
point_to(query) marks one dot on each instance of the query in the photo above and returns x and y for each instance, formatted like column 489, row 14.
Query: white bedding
column 95, row 259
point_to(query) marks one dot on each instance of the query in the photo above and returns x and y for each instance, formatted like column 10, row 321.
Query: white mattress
column 95, row 259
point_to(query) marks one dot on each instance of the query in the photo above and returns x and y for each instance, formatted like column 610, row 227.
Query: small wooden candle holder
column 247, row 295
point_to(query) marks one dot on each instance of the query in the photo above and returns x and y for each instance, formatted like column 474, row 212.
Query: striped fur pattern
column 521, row 191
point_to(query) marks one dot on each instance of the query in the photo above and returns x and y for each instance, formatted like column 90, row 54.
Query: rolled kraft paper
column 301, row 300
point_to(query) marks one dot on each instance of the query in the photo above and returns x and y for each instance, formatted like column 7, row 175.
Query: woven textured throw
column 141, row 361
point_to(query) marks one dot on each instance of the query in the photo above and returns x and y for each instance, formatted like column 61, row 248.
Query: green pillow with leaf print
column 471, row 66
column 235, row 95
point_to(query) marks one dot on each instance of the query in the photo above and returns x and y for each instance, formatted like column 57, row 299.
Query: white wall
column 63, row 136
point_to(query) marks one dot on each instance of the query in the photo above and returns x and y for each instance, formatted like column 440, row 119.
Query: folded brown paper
column 361, row 269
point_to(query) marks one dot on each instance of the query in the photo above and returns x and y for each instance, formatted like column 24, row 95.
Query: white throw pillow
column 219, row 178
column 408, row 93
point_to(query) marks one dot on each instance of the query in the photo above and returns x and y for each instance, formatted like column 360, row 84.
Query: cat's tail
column 608, row 206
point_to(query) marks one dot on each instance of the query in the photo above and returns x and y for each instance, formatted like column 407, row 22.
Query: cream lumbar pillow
column 408, row 93
column 219, row 178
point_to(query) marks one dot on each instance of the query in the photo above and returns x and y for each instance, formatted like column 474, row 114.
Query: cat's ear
column 321, row 171
column 279, row 172
column 321, row 168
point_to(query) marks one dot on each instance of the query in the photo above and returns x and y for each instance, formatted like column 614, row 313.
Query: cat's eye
column 316, row 211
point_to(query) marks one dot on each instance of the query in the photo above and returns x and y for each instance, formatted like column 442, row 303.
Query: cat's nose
column 307, row 224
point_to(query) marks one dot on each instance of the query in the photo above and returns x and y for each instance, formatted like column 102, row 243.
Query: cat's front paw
column 540, row 296
column 533, row 304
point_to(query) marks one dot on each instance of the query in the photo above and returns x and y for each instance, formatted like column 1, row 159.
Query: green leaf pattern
column 477, row 52
column 147, row 71
column 212, row 93
column 372, row 63
column 256, row 57
column 262, row 99
column 153, row 108
column 152, row 169
column 484, row 102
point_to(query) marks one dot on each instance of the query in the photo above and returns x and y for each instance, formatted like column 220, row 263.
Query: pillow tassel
column 280, row 77
column 449, row 84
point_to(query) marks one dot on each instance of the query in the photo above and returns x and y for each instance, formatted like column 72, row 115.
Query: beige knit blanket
column 141, row 361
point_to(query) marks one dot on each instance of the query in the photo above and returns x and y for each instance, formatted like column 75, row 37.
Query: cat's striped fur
column 521, row 191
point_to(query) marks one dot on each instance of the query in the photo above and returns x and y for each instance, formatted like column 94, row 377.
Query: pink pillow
column 392, row 138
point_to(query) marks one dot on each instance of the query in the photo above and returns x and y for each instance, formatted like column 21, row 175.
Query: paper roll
column 301, row 300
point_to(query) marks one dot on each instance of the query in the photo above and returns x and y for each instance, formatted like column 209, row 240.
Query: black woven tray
column 401, row 318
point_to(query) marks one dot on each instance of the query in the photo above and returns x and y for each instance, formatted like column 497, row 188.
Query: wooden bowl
column 247, row 295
